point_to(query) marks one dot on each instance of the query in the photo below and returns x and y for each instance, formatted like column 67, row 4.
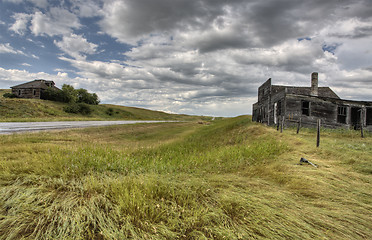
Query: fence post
column 361, row 122
column 298, row 126
column 318, row 133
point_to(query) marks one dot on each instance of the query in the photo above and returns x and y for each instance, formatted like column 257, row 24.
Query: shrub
column 9, row 95
column 110, row 111
column 84, row 108
column 76, row 108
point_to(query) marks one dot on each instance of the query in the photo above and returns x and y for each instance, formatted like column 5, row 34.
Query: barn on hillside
column 32, row 89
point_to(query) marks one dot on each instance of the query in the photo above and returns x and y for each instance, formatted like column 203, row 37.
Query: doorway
column 369, row 116
column 355, row 117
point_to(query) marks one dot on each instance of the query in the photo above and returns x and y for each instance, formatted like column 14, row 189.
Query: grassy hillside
column 42, row 110
column 233, row 179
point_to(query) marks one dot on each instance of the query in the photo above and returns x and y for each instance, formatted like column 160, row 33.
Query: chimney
column 314, row 84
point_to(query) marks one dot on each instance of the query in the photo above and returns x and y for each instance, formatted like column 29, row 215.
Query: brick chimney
column 314, row 84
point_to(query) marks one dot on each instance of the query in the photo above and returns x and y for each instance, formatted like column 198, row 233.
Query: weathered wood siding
column 327, row 110
column 27, row 92
column 262, row 109
column 318, row 109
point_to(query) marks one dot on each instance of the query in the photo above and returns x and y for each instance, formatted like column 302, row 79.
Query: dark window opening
column 369, row 116
column 305, row 108
column 19, row 92
column 34, row 92
column 341, row 114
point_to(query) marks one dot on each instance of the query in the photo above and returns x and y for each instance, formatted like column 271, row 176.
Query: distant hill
column 16, row 109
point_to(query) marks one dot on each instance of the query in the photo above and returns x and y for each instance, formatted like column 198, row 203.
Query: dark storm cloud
column 225, row 24
column 142, row 17
column 279, row 20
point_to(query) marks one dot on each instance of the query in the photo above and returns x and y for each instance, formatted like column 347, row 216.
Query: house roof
column 40, row 83
column 322, row 91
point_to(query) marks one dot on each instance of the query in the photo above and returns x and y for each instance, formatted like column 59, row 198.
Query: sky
column 199, row 57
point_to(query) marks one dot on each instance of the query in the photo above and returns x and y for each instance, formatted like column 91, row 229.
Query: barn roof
column 40, row 83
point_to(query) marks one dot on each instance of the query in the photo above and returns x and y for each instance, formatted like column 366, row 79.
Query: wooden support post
column 277, row 124
column 318, row 133
column 361, row 123
column 298, row 126
column 282, row 125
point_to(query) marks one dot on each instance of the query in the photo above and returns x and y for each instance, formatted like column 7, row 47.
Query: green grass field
column 232, row 179
column 24, row 110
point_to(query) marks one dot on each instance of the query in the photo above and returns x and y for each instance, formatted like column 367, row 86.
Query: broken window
column 305, row 107
column 369, row 116
column 341, row 114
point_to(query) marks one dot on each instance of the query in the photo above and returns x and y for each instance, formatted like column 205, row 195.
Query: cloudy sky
column 205, row 57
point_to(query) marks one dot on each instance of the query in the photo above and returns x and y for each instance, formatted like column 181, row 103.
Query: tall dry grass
column 232, row 179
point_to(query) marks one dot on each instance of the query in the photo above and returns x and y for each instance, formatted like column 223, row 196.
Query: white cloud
column 57, row 21
column 40, row 3
column 14, row 1
column 76, row 46
column 86, row 8
column 348, row 28
column 6, row 48
column 20, row 24
column 11, row 77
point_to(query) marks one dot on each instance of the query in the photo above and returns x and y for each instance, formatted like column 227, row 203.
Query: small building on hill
column 307, row 105
column 32, row 89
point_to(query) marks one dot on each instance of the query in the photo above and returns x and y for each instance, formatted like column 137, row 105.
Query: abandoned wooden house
column 308, row 104
column 32, row 89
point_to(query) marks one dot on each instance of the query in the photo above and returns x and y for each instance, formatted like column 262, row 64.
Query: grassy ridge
column 233, row 179
column 42, row 110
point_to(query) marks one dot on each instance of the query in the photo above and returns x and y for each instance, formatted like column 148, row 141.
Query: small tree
column 54, row 94
column 70, row 93
column 83, row 96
